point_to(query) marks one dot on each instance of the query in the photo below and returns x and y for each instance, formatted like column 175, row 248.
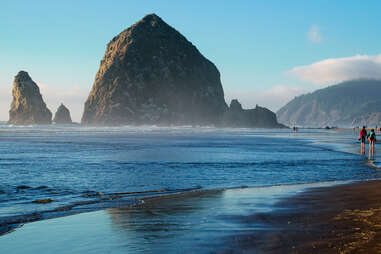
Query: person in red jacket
column 363, row 135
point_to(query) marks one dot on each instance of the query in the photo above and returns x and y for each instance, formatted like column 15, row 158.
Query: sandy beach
column 337, row 219
column 340, row 219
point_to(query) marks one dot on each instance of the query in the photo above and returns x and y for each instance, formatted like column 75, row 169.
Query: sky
column 267, row 52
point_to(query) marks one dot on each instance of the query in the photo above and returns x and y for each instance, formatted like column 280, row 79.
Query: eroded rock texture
column 27, row 106
column 151, row 74
column 62, row 115
column 258, row 117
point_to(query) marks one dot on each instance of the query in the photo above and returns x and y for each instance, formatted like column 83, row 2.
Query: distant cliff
column 27, row 106
column 351, row 103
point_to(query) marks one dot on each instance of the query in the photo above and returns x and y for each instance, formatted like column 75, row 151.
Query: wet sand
column 195, row 222
column 339, row 219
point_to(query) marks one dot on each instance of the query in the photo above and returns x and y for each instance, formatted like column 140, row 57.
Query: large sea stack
column 27, row 106
column 62, row 115
column 151, row 74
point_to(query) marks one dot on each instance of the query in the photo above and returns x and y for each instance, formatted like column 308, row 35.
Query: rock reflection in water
column 175, row 220
column 193, row 222
column 196, row 222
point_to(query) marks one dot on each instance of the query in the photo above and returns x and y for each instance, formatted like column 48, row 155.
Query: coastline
column 295, row 218
column 344, row 218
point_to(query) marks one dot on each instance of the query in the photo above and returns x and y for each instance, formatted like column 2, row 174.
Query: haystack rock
column 62, row 115
column 151, row 74
column 27, row 106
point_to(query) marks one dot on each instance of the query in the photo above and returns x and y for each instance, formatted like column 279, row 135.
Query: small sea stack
column 258, row 117
column 27, row 106
column 62, row 115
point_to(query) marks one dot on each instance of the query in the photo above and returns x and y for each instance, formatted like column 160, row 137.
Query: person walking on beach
column 363, row 135
column 372, row 139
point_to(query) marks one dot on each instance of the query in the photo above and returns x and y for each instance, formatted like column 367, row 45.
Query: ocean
column 80, row 169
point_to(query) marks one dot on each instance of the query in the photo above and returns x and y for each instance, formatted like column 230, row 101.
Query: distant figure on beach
column 372, row 139
column 363, row 135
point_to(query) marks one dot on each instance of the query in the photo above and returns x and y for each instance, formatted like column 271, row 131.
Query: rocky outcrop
column 62, row 115
column 27, row 106
column 151, row 74
column 258, row 117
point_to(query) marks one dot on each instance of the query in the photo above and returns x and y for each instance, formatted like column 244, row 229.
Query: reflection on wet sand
column 163, row 223
column 228, row 221
column 198, row 222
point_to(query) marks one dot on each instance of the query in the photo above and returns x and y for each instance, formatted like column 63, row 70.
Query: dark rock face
column 151, row 74
column 259, row 117
column 62, row 115
column 235, row 106
column 27, row 106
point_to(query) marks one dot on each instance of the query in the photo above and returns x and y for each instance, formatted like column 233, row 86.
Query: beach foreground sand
column 339, row 219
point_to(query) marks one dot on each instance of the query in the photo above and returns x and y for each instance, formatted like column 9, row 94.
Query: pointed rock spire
column 62, row 115
column 27, row 106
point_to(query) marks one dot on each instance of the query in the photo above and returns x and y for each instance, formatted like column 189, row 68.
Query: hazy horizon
column 267, row 53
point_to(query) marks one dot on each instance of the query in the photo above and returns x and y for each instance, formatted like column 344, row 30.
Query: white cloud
column 314, row 34
column 273, row 98
column 334, row 70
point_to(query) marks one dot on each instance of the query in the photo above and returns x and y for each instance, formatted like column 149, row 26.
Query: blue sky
column 267, row 51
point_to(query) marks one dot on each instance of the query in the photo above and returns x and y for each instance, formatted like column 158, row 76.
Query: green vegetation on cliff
column 350, row 103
